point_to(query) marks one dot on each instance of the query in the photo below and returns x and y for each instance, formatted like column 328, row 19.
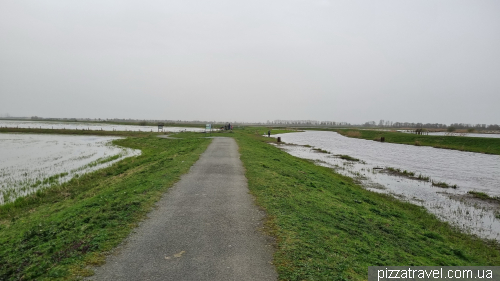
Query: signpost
column 208, row 127
column 160, row 127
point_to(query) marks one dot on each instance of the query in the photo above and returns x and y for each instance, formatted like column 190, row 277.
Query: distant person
column 269, row 133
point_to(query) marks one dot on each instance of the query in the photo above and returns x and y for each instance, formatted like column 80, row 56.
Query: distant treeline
column 289, row 123
column 385, row 124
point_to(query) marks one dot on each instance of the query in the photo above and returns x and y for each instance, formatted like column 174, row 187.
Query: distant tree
column 451, row 129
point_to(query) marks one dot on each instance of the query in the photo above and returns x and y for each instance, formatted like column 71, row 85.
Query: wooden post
column 279, row 139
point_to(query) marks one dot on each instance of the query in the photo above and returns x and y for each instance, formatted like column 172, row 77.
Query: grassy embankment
column 57, row 232
column 329, row 228
column 326, row 226
column 473, row 144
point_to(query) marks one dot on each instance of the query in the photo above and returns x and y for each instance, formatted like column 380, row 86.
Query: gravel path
column 206, row 227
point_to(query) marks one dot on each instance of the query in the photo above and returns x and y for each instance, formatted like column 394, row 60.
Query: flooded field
column 32, row 162
column 91, row 126
column 381, row 167
column 472, row 135
column 465, row 135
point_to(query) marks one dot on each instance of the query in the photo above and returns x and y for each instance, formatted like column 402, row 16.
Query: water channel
column 468, row 171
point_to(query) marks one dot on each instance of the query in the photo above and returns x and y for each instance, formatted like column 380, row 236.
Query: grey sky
column 353, row 61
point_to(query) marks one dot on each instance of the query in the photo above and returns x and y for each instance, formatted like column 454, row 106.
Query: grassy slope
column 57, row 232
column 329, row 228
column 473, row 144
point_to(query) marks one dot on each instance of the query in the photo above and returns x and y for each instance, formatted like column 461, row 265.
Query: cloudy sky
column 352, row 61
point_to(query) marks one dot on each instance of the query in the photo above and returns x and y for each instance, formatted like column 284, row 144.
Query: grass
column 483, row 196
column 400, row 172
column 443, row 184
column 329, row 228
column 321, row 150
column 55, row 233
column 348, row 158
column 326, row 226
column 282, row 131
column 407, row 174
column 353, row 134
column 472, row 144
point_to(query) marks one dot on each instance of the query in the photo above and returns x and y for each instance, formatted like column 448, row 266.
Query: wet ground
column 468, row 171
column 30, row 162
column 473, row 135
column 91, row 126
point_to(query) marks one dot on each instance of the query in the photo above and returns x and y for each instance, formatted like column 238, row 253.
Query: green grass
column 473, row 144
column 443, row 184
column 57, row 232
column 348, row 158
column 282, row 131
column 407, row 174
column 329, row 228
column 326, row 226
column 321, row 150
column 483, row 196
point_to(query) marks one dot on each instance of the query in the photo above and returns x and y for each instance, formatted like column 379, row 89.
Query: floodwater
column 457, row 134
column 29, row 160
column 465, row 135
column 91, row 126
column 469, row 171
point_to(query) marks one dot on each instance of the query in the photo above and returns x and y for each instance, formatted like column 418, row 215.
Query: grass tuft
column 443, row 184
column 347, row 157
column 321, row 150
column 483, row 196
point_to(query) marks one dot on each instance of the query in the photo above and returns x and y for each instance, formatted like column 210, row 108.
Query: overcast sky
column 353, row 61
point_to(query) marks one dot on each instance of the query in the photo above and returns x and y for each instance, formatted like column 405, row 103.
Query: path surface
column 206, row 227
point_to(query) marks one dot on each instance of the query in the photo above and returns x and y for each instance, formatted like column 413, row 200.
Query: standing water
column 91, row 126
column 467, row 170
column 32, row 162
